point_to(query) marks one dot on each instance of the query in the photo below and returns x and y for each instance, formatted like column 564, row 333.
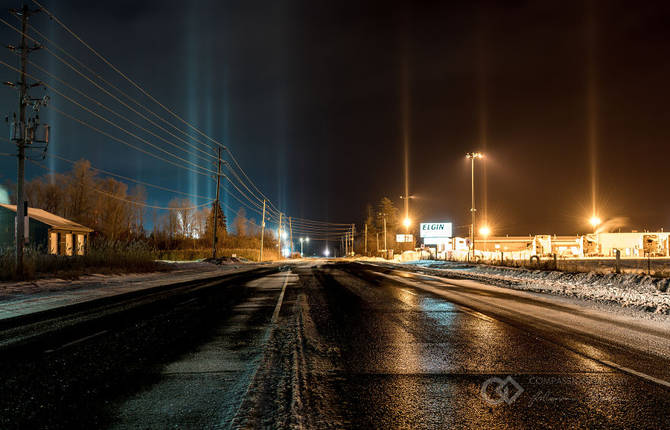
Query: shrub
column 102, row 257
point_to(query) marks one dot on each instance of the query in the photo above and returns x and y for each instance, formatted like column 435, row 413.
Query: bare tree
column 240, row 223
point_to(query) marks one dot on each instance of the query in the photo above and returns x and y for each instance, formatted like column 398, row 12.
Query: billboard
column 404, row 238
column 436, row 229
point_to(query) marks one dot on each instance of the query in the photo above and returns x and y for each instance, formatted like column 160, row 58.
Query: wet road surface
column 340, row 345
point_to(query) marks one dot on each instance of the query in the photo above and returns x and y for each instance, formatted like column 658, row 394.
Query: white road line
column 275, row 315
column 478, row 314
column 74, row 342
column 266, row 337
column 636, row 373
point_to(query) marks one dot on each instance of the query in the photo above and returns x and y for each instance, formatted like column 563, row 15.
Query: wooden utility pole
column 353, row 234
column 262, row 231
column 385, row 248
column 290, row 230
column 279, row 235
column 216, row 203
column 366, row 239
column 20, row 132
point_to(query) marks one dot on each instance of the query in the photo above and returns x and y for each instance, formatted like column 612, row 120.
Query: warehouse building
column 54, row 234
column 633, row 244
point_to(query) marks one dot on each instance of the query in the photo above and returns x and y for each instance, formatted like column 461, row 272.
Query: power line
column 131, row 179
column 152, row 206
column 73, row 68
column 124, row 94
column 109, row 121
column 127, row 200
column 104, row 106
column 138, row 87
column 132, row 82
column 84, row 123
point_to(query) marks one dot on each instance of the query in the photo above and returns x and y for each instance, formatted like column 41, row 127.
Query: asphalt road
column 341, row 345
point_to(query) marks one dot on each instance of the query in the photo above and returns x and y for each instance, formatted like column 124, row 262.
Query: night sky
column 311, row 95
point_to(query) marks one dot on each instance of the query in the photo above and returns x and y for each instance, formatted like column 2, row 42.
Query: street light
column 407, row 221
column 301, row 241
column 326, row 252
column 595, row 221
column 485, row 231
column 472, row 156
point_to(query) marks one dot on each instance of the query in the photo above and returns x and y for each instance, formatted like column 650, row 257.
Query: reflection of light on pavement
column 404, row 357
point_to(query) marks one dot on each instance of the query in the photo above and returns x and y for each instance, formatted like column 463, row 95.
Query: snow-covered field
column 644, row 292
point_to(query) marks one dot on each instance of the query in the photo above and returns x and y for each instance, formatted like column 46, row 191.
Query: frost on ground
column 179, row 271
column 628, row 290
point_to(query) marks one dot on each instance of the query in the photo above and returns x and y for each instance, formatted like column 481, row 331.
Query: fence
column 656, row 266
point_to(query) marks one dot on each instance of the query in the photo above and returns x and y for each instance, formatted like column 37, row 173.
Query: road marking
column 275, row 315
column 635, row 373
column 472, row 311
column 186, row 302
column 74, row 342
column 268, row 331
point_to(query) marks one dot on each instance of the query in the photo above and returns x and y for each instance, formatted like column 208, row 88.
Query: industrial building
column 440, row 244
column 44, row 230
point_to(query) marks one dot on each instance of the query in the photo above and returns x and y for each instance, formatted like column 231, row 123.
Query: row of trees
column 374, row 219
column 103, row 204
column 116, row 212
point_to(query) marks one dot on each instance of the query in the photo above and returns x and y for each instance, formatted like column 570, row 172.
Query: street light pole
column 473, row 210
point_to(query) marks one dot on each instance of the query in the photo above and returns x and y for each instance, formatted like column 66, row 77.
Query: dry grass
column 103, row 257
column 197, row 254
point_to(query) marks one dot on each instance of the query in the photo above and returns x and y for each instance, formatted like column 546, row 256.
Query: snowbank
column 642, row 291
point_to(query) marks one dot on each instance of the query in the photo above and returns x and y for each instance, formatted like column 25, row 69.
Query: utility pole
column 366, row 239
column 262, row 231
column 377, row 243
column 353, row 234
column 290, row 230
column 216, row 203
column 279, row 235
column 23, row 135
column 385, row 248
column 346, row 243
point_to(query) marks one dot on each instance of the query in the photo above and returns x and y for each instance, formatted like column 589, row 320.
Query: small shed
column 47, row 231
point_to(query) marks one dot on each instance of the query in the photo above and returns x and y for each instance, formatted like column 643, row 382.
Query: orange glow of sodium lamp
column 595, row 221
column 484, row 231
column 407, row 222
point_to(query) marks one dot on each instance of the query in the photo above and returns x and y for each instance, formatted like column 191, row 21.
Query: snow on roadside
column 20, row 289
column 629, row 290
